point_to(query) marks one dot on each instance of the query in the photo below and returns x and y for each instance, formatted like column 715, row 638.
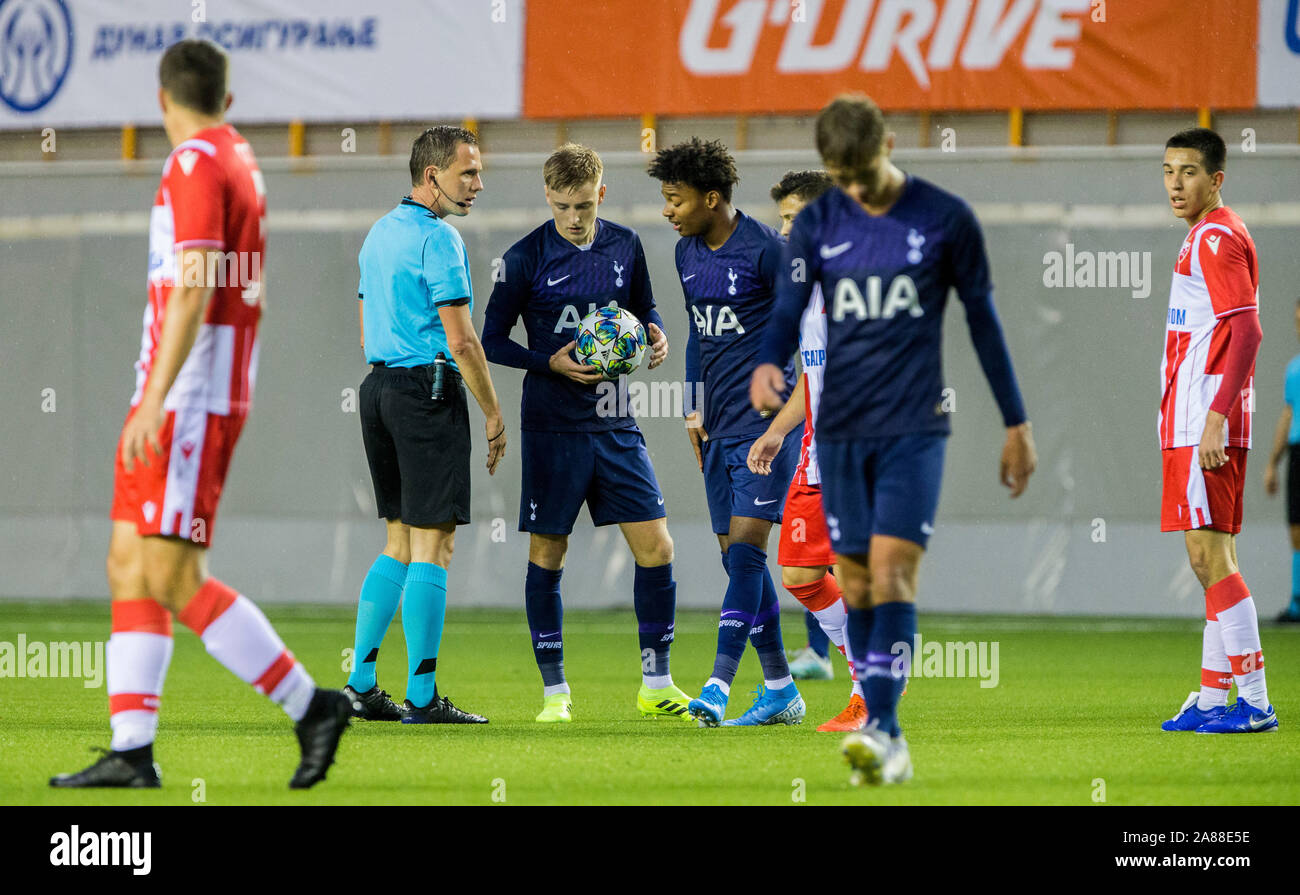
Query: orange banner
column 703, row 57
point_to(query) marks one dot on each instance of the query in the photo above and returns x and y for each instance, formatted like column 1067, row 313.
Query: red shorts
column 1202, row 498
column 805, row 540
column 177, row 493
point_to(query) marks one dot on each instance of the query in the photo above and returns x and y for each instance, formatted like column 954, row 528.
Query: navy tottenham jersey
column 553, row 284
column 729, row 297
column 885, row 282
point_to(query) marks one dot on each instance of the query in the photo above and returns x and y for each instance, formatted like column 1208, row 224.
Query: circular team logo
column 35, row 52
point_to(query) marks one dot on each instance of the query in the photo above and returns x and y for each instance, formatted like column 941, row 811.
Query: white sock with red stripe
column 1216, row 672
column 237, row 635
column 1239, row 623
column 139, row 650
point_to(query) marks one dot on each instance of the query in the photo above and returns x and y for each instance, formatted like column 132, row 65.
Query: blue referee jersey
column 412, row 263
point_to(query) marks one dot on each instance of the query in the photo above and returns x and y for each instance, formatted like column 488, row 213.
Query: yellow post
column 649, row 139
column 1112, row 127
column 561, row 132
column 297, row 138
column 742, row 132
column 128, row 142
column 385, row 138
column 923, row 126
column 1203, row 117
column 471, row 125
column 1016, row 126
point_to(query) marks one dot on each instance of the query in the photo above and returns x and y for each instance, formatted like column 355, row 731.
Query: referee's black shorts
column 1293, row 485
column 418, row 448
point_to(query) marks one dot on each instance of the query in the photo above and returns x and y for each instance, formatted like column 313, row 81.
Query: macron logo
column 1213, row 243
column 832, row 251
column 187, row 160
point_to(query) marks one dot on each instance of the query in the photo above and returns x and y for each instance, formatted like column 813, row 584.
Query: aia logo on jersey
column 710, row 324
column 570, row 319
column 848, row 300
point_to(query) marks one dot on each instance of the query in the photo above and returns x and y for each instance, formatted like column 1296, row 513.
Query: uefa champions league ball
column 612, row 340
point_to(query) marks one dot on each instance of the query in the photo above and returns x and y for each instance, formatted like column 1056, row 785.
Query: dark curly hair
column 700, row 164
column 807, row 185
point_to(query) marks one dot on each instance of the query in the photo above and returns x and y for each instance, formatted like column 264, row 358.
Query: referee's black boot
column 132, row 769
column 438, row 711
column 373, row 705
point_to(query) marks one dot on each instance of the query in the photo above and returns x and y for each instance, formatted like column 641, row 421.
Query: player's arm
column 1227, row 277
column 468, row 353
column 187, row 305
column 765, row 448
column 969, row 269
column 449, row 290
column 799, row 267
column 1280, row 446
column 643, row 306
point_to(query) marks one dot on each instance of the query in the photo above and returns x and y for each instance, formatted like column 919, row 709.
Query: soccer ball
column 612, row 340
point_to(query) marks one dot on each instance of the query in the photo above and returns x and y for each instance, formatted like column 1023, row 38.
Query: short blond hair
column 571, row 166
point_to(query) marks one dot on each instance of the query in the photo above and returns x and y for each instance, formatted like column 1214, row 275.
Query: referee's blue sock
column 745, row 565
column 545, row 613
column 654, row 597
column 1294, row 608
column 766, row 636
column 423, row 611
column 380, row 594
column 891, row 624
column 817, row 639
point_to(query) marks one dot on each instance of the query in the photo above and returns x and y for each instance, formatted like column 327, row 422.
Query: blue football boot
column 1189, row 717
column 784, row 706
column 1241, row 717
column 709, row 707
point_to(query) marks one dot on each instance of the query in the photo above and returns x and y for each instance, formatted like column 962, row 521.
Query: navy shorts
column 609, row 471
column 881, row 486
column 732, row 490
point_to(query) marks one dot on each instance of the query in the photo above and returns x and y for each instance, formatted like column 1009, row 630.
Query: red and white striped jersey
column 211, row 197
column 1216, row 275
column 812, row 352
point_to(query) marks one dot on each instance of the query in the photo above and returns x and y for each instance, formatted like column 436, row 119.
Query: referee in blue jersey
column 415, row 305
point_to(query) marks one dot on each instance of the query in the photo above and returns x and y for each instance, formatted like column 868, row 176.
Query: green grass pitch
column 1075, row 716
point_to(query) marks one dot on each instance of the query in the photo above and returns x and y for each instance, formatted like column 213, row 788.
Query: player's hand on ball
column 1211, row 454
column 765, row 388
column 1019, row 459
column 763, row 451
column 141, row 433
column 495, row 426
column 695, row 432
column 658, row 346
column 563, row 364
column 1270, row 481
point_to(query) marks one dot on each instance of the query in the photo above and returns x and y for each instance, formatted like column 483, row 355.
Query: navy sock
column 654, row 597
column 766, row 633
column 817, row 639
column 857, row 634
column 886, row 675
column 746, row 565
column 546, row 622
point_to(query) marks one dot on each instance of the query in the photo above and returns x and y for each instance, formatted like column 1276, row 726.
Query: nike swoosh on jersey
column 832, row 251
column 551, row 282
column 684, row 279
column 661, row 501
column 763, row 503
